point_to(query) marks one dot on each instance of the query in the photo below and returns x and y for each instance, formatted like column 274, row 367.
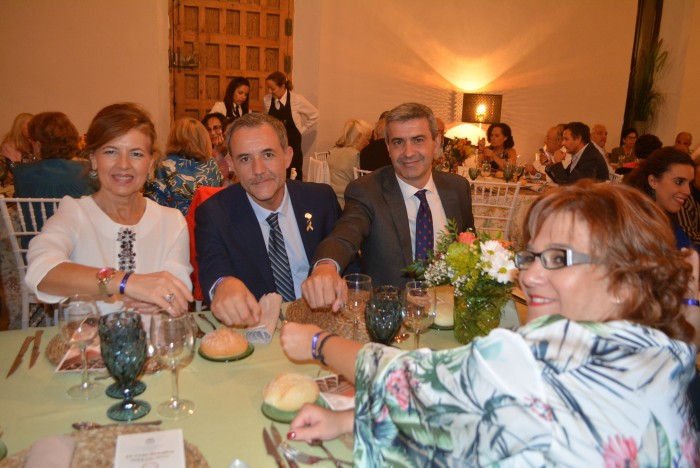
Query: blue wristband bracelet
column 122, row 285
column 691, row 302
column 314, row 341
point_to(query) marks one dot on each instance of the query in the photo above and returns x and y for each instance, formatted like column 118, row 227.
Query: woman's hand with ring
column 162, row 289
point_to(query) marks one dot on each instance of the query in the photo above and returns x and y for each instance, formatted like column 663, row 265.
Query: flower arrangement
column 480, row 269
column 458, row 150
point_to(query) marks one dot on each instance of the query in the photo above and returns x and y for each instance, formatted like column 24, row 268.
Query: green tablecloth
column 227, row 423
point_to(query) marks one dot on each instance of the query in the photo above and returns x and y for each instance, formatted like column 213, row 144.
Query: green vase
column 477, row 315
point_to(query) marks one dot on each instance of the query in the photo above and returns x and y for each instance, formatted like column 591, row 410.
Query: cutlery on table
column 203, row 316
column 20, row 355
column 278, row 440
column 319, row 443
column 272, row 450
column 87, row 425
column 35, row 348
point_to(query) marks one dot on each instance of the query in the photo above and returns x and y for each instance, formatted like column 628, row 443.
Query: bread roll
column 223, row 342
column 289, row 392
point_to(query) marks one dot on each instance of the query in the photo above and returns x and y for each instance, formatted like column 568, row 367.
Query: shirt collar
column 578, row 154
column 262, row 213
column 283, row 99
column 409, row 191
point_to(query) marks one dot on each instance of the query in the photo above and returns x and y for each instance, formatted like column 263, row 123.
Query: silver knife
column 278, row 440
column 35, row 348
column 20, row 355
column 272, row 450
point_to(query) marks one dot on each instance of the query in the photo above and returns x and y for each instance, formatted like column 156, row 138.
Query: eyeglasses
column 552, row 259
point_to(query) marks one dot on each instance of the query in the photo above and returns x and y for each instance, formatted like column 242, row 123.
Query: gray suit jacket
column 375, row 221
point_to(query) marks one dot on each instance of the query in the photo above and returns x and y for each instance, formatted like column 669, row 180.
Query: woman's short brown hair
column 56, row 133
column 632, row 239
column 116, row 120
column 189, row 139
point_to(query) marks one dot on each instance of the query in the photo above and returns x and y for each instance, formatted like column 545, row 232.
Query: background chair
column 615, row 178
column 318, row 168
column 493, row 204
column 360, row 172
column 23, row 219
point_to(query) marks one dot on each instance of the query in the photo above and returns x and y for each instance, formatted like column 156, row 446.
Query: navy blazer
column 591, row 165
column 230, row 242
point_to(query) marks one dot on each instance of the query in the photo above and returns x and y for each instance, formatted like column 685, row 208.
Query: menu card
column 72, row 362
column 337, row 392
column 156, row 449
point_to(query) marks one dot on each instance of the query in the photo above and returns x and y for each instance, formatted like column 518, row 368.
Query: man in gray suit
column 385, row 209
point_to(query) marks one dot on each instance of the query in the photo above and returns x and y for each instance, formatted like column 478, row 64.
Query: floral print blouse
column 177, row 178
column 553, row 393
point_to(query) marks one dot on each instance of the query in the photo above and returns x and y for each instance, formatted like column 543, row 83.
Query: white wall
column 77, row 56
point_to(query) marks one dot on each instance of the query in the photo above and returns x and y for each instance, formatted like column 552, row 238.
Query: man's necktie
column 279, row 260
column 236, row 111
column 424, row 227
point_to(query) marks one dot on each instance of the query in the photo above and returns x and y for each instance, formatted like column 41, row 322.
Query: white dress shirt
column 304, row 114
column 575, row 158
column 413, row 203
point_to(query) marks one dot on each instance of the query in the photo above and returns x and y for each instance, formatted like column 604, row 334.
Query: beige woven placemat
column 95, row 448
column 334, row 322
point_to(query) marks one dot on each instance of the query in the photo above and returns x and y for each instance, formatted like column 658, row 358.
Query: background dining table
column 227, row 423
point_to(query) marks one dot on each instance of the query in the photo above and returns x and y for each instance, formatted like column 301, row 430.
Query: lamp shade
column 481, row 108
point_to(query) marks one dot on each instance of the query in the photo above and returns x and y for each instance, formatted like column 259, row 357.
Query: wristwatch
column 104, row 276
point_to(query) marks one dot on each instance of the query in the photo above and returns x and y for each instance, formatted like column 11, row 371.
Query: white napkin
column 51, row 452
column 539, row 188
column 271, row 304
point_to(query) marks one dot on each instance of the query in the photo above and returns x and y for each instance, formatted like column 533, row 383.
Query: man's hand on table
column 325, row 287
column 234, row 304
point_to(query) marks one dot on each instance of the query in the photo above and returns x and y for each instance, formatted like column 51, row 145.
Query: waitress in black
column 296, row 113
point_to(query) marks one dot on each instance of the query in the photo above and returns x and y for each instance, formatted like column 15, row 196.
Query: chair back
column 23, row 218
column 359, row 172
column 493, row 205
column 318, row 168
column 615, row 178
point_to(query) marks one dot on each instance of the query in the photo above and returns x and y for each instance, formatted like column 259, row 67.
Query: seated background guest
column 215, row 124
column 598, row 373
column 345, row 155
column 236, row 99
column 689, row 215
column 626, row 148
column 188, row 166
column 54, row 140
column 643, row 147
column 15, row 144
column 375, row 154
column 545, row 156
column 501, row 146
column 684, row 141
column 259, row 235
column 115, row 242
column 666, row 176
column 599, row 137
column 586, row 160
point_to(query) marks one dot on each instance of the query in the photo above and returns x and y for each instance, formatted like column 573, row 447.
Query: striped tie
column 424, row 227
column 279, row 261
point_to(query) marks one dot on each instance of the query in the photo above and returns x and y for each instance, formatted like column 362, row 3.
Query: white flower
column 497, row 261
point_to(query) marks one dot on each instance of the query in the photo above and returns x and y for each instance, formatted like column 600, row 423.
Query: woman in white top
column 296, row 113
column 115, row 242
column 345, row 156
column 236, row 99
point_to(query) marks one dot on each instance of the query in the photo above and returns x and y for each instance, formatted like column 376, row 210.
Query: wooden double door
column 211, row 41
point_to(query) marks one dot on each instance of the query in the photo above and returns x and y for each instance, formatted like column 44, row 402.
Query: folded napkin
column 539, row 188
column 271, row 305
column 51, row 452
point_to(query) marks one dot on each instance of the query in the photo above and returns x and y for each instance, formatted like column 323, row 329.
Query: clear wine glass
column 123, row 347
column 359, row 289
column 78, row 321
column 486, row 169
column 420, row 308
column 173, row 340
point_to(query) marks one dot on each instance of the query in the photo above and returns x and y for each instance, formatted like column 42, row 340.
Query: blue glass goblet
column 384, row 314
column 123, row 347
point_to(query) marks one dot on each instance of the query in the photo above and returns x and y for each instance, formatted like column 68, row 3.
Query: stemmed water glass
column 173, row 343
column 123, row 347
column 78, row 321
column 420, row 308
column 486, row 169
column 474, row 173
column 359, row 289
column 384, row 314
column 508, row 172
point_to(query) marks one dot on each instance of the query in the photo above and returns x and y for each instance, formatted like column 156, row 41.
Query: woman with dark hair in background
column 215, row 123
column 625, row 152
column 236, row 100
column 501, row 149
column 296, row 113
column 54, row 142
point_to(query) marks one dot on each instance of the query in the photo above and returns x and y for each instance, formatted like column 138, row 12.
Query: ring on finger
column 169, row 298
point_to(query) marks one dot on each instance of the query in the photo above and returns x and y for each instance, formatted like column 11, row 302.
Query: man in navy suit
column 232, row 228
column 586, row 160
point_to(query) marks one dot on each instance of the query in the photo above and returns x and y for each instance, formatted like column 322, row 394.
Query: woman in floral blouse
column 596, row 377
column 188, row 166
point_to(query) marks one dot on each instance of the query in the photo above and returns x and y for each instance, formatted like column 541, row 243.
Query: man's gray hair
column 255, row 121
column 410, row 111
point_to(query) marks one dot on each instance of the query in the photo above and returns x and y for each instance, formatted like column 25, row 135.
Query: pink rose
column 620, row 452
column 397, row 386
column 466, row 237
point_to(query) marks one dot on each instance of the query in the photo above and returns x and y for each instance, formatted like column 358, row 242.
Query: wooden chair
column 318, row 168
column 23, row 219
column 360, row 172
column 493, row 205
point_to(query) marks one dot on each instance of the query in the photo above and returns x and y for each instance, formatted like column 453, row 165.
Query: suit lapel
column 448, row 197
column 397, row 209
column 296, row 197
